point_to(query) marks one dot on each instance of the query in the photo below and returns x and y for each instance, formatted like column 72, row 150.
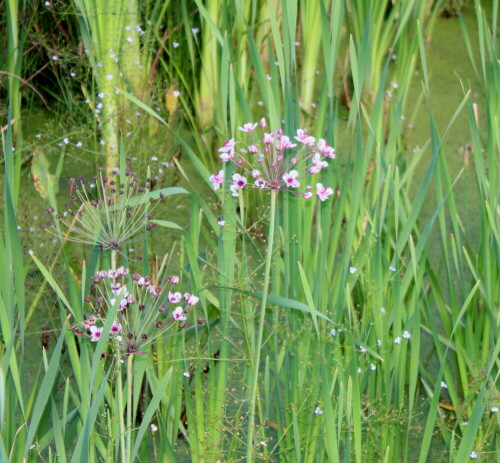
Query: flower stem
column 129, row 404
column 260, row 331
column 120, row 414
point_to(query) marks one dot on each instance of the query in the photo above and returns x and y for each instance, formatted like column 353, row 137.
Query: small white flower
column 353, row 269
column 362, row 349
column 333, row 332
column 186, row 374
column 494, row 409
column 47, row 3
column 263, row 443
column 38, row 135
column 382, row 310
column 195, row 30
column 130, row 39
column 397, row 340
column 359, row 370
column 154, row 158
column 79, row 144
column 318, row 411
column 55, row 57
column 154, row 428
column 473, row 455
column 72, row 74
column 392, row 269
column 65, row 141
column 221, row 222
column 176, row 93
column 102, row 142
column 175, row 44
column 444, row 385
column 406, row 335
column 373, row 367
column 109, row 76
column 379, row 342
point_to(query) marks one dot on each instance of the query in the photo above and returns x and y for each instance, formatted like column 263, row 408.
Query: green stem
column 129, row 405
column 120, row 414
column 260, row 331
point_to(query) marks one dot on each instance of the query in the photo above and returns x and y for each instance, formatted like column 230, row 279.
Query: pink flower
column 227, row 150
column 173, row 280
column 239, row 181
column 290, row 179
column 323, row 192
column 217, row 179
column 112, row 274
column 285, row 143
column 328, row 151
column 255, row 173
column 174, row 298
column 252, row 149
column 318, row 164
column 227, row 146
column 307, row 195
column 304, row 138
column 95, row 333
column 193, row 300
column 248, row 127
column 178, row 314
column 268, row 138
column 122, row 271
column 260, row 183
column 115, row 328
column 263, row 122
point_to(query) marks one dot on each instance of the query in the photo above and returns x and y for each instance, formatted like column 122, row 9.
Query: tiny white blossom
column 353, row 269
column 176, row 93
column 392, row 269
column 444, row 385
column 494, row 409
column 186, row 374
column 473, row 455
column 66, row 141
column 373, row 367
column 406, row 335
column 397, row 340
column 318, row 411
column 175, row 44
column 154, row 428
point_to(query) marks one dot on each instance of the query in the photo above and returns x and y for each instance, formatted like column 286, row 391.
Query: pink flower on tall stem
column 275, row 162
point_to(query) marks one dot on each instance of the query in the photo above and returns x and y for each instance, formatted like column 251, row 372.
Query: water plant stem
column 130, row 381
column 260, row 331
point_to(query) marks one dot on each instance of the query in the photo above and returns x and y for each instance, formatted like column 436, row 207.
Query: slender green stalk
column 260, row 331
column 130, row 405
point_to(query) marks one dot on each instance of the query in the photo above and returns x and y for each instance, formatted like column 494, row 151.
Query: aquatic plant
column 147, row 311
column 108, row 213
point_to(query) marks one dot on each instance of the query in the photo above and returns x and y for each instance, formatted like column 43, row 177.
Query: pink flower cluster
column 272, row 164
column 143, row 315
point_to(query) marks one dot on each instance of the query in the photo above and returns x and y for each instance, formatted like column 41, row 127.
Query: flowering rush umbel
column 106, row 211
column 276, row 162
column 146, row 311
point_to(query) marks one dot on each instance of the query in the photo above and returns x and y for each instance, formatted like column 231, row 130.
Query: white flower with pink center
column 307, row 195
column 248, row 127
column 260, row 183
column 174, row 298
column 115, row 328
column 193, row 300
column 239, row 181
column 95, row 333
column 252, row 149
column 255, row 173
column 318, row 164
column 268, row 138
column 286, row 143
column 323, row 192
column 217, row 179
column 304, row 138
column 324, row 148
column 291, row 180
column 178, row 314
